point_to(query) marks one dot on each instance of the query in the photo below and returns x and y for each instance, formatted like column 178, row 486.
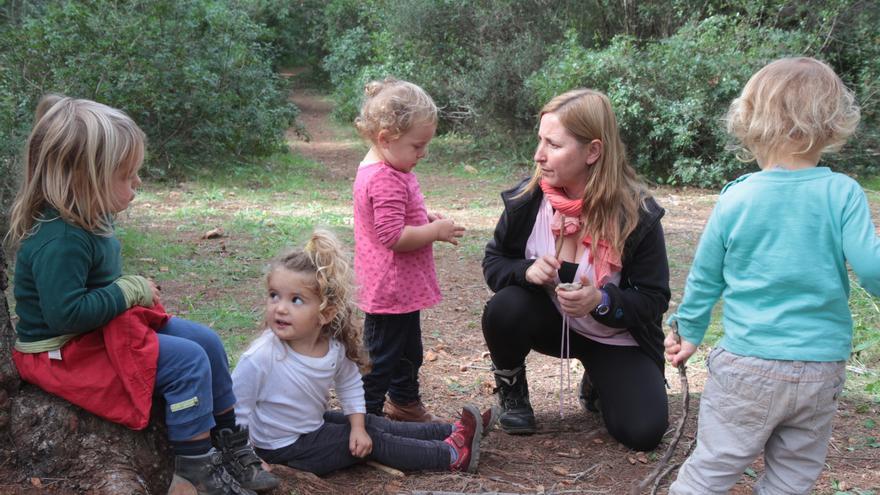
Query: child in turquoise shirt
column 775, row 249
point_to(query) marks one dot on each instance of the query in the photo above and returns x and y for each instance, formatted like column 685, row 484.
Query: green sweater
column 64, row 281
column 776, row 249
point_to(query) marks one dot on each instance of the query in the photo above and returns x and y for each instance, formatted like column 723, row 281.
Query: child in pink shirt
column 393, row 231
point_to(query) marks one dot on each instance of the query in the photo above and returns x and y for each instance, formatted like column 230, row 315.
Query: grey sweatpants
column 399, row 444
column 749, row 404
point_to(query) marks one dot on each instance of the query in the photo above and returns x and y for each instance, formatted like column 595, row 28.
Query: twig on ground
column 659, row 479
column 382, row 467
column 590, row 470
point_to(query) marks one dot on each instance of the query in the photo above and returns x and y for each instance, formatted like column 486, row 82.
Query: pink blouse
column 389, row 282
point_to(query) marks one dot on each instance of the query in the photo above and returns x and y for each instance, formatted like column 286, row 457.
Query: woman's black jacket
column 637, row 304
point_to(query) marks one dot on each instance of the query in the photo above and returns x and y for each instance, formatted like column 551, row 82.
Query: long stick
column 685, row 402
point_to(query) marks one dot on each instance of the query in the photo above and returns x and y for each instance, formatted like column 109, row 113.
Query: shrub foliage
column 192, row 73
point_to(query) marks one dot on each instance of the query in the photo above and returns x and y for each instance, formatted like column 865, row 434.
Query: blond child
column 775, row 249
column 313, row 344
column 394, row 234
column 96, row 337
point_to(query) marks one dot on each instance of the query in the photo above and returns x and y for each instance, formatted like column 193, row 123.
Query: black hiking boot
column 588, row 396
column 207, row 475
column 241, row 461
column 517, row 416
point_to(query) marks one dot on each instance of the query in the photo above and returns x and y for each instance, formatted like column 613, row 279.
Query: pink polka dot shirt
column 385, row 201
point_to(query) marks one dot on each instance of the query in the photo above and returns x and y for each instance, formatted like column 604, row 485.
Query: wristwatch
column 604, row 305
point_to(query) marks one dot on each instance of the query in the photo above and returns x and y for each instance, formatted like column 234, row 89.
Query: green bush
column 670, row 95
column 192, row 73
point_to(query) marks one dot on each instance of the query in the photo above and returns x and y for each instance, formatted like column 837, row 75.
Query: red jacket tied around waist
column 109, row 372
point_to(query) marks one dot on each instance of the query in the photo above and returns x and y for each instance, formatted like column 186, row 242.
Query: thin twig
column 382, row 467
column 685, row 402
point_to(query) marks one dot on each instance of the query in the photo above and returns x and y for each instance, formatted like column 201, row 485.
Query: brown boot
column 414, row 412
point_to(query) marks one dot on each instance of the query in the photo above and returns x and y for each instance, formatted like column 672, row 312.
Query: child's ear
column 384, row 138
column 327, row 315
column 594, row 151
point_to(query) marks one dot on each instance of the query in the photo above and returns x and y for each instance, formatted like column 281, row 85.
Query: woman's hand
column 678, row 351
column 543, row 271
column 578, row 303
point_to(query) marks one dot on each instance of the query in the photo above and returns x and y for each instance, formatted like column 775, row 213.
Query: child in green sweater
column 81, row 169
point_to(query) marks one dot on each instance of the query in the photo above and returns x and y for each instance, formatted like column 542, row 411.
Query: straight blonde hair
column 75, row 148
column 792, row 101
column 614, row 193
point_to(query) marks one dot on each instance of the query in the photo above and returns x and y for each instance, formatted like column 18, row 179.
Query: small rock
column 430, row 356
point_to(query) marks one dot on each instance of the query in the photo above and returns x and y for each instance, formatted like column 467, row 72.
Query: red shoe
column 465, row 439
column 490, row 417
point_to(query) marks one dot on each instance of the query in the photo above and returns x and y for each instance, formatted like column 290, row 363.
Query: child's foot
column 414, row 412
column 490, row 417
column 206, row 474
column 465, row 439
column 241, row 461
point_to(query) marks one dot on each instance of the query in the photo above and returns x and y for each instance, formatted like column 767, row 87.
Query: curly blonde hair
column 73, row 151
column 325, row 256
column 792, row 101
column 394, row 106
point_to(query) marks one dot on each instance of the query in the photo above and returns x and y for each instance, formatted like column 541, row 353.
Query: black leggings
column 630, row 384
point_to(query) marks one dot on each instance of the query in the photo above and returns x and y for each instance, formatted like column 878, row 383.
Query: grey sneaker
column 241, row 461
column 207, row 475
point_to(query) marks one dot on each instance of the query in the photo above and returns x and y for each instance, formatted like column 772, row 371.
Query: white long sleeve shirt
column 282, row 394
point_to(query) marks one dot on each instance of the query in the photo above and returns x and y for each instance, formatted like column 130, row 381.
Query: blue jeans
column 394, row 343
column 401, row 445
column 192, row 376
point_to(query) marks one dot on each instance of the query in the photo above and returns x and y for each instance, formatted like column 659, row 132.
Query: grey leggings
column 398, row 444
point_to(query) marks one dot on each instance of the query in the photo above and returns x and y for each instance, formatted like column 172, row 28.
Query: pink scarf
column 567, row 219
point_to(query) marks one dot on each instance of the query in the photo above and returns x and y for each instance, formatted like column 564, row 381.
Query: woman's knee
column 643, row 434
column 507, row 309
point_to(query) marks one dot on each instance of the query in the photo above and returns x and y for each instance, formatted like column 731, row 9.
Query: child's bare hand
column 156, row 291
column 543, row 271
column 432, row 216
column 359, row 442
column 448, row 231
column 677, row 352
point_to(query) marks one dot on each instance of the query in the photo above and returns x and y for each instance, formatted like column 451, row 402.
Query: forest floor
column 570, row 454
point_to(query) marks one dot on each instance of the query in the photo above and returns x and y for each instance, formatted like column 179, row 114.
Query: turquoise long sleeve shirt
column 775, row 249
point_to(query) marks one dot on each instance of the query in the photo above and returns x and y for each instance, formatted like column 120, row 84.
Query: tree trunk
column 54, row 443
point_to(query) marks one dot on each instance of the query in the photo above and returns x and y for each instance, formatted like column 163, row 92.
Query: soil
column 572, row 453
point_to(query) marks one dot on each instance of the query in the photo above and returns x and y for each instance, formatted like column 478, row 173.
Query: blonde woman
column 584, row 221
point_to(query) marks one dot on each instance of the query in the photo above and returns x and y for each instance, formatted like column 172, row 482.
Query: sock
column 453, row 455
column 225, row 420
column 192, row 447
